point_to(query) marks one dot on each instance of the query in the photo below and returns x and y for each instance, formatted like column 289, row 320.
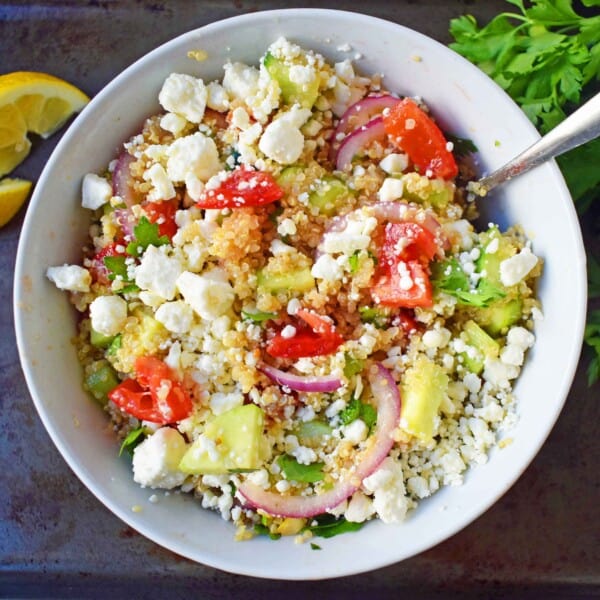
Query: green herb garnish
column 295, row 471
column 314, row 546
column 328, row 526
column 145, row 234
column 258, row 317
column 449, row 277
column 133, row 439
column 358, row 410
column 375, row 316
column 353, row 262
column 462, row 146
column 261, row 529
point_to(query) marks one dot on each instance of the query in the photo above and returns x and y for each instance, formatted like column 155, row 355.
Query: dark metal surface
column 56, row 540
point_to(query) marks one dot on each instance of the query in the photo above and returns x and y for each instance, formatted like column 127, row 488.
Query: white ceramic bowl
column 467, row 103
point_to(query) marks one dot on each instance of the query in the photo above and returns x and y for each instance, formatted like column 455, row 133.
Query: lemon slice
column 13, row 193
column 32, row 102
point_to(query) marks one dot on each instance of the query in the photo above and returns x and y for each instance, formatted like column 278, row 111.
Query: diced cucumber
column 489, row 262
column 237, row 438
column 99, row 340
column 419, row 188
column 423, row 389
column 498, row 317
column 299, row 280
column 101, row 378
column 311, row 433
column 289, row 176
column 292, row 93
column 376, row 316
column 329, row 195
column 483, row 344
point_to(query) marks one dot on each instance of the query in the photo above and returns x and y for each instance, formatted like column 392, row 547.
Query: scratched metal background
column 542, row 539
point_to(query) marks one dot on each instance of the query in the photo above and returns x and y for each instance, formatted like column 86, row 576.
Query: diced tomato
column 155, row 395
column 409, row 241
column 321, row 339
column 98, row 270
column 405, row 284
column 163, row 213
column 414, row 132
column 243, row 187
column 407, row 322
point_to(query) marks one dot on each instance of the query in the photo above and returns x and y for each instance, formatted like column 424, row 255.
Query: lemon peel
column 13, row 193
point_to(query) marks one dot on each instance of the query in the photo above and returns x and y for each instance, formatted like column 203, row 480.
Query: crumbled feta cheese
column 286, row 227
column 282, row 142
column 176, row 316
column 158, row 272
column 355, row 236
column 519, row 336
column 288, row 332
column 184, row 95
column 221, row 402
column 172, row 123
column 156, row 459
column 515, row 268
column 209, row 297
column 217, row 97
column 95, row 191
column 394, row 164
column 360, row 508
column 293, row 306
column 162, row 188
column 327, row 268
column 356, row 432
column 498, row 373
column 436, row 338
column 389, row 494
column 391, row 189
column 195, row 155
column 108, row 314
column 72, row 278
column 304, row 455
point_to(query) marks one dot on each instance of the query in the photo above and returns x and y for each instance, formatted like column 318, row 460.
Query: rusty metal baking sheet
column 542, row 539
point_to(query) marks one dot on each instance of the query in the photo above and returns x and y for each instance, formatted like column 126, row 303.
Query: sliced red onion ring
column 357, row 115
column 121, row 179
column 387, row 398
column 301, row 383
column 357, row 140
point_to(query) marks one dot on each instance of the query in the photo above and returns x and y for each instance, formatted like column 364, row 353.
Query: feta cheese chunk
column 326, row 267
column 162, row 188
column 158, row 272
column 72, row 278
column 173, row 123
column 176, row 316
column 95, row 191
column 389, row 494
column 208, row 297
column 355, row 236
column 184, row 95
column 156, row 459
column 391, row 189
column 359, row 509
column 515, row 268
column 193, row 155
column 282, row 142
column 108, row 314
column 217, row 97
column 394, row 164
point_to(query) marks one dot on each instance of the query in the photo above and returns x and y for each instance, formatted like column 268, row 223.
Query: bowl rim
column 18, row 295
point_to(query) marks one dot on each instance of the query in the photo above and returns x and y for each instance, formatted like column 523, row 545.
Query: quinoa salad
column 285, row 309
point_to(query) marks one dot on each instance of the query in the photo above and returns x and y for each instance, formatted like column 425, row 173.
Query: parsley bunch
column 547, row 57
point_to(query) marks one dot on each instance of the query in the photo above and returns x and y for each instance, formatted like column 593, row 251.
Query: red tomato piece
column 405, row 284
column 163, row 213
column 408, row 241
column 407, row 322
column 98, row 270
column 243, row 187
column 413, row 131
column 155, row 395
column 321, row 339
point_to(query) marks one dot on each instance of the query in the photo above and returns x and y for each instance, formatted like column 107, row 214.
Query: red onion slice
column 357, row 140
column 359, row 114
column 121, row 178
column 126, row 221
column 387, row 398
column 301, row 383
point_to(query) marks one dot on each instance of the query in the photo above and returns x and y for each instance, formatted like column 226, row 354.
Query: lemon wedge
column 13, row 193
column 32, row 102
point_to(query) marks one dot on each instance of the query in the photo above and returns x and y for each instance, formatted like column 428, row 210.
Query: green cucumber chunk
column 489, row 262
column 100, row 380
column 299, row 280
column 99, row 340
column 304, row 94
column 329, row 195
column 237, row 443
column 311, row 433
column 485, row 345
column 499, row 316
